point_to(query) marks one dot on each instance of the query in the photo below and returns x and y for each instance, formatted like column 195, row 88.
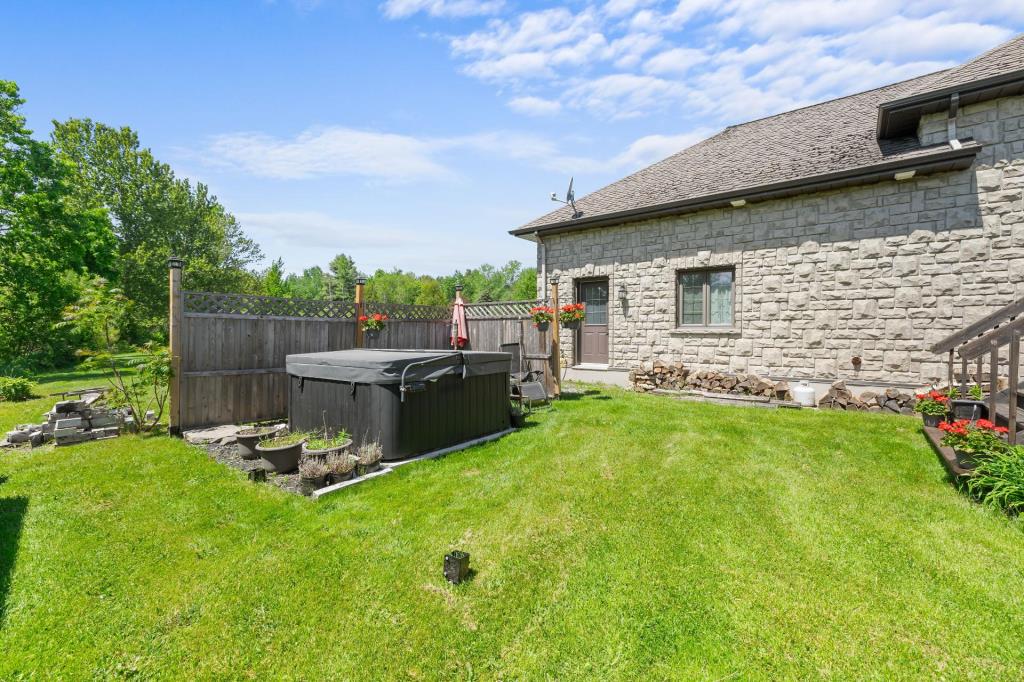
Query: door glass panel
column 720, row 293
column 594, row 296
column 691, row 298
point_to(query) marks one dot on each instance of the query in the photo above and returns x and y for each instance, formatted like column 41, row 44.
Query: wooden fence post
column 176, row 318
column 360, row 283
column 556, row 352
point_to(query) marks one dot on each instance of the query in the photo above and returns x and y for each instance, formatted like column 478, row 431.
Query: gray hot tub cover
column 372, row 366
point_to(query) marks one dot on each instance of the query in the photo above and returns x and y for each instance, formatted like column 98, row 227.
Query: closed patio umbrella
column 460, row 330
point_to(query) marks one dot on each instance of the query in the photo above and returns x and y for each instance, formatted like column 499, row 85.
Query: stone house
column 836, row 241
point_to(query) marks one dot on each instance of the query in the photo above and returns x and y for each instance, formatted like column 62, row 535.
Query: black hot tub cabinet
column 449, row 396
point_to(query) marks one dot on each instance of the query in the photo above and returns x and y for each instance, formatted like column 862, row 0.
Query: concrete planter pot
column 932, row 420
column 283, row 459
column 340, row 478
column 247, row 439
column 518, row 420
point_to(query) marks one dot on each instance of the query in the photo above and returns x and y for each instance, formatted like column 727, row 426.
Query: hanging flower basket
column 571, row 315
column 373, row 324
column 542, row 316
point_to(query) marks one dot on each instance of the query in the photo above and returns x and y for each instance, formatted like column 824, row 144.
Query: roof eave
column 948, row 159
column 937, row 100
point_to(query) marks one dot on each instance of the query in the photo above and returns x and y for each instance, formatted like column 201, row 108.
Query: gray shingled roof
column 816, row 140
column 1003, row 59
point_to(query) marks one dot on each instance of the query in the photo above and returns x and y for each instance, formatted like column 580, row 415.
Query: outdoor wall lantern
column 856, row 361
column 623, row 294
column 456, row 566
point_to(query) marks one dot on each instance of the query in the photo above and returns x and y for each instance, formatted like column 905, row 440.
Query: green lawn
column 619, row 536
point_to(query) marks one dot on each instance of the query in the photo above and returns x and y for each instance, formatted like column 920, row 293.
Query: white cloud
column 400, row 9
column 316, row 229
column 339, row 151
column 535, row 106
column 676, row 61
column 328, row 151
column 778, row 53
column 624, row 95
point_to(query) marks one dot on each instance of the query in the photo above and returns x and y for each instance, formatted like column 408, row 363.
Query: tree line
column 90, row 213
column 337, row 283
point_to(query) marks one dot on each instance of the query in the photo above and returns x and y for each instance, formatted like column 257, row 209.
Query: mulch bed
column 228, row 454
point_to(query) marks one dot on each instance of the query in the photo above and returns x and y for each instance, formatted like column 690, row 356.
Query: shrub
column 341, row 464
column 311, row 467
column 998, row 480
column 15, row 389
column 370, row 453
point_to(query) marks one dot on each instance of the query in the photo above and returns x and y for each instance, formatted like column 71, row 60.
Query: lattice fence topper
column 247, row 304
column 398, row 312
column 500, row 310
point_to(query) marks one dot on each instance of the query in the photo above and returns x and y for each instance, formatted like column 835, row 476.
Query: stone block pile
column 839, row 397
column 676, row 377
column 73, row 421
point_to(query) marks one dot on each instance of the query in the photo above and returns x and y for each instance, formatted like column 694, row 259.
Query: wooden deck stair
column 983, row 339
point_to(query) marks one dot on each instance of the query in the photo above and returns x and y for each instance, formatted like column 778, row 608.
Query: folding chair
column 526, row 386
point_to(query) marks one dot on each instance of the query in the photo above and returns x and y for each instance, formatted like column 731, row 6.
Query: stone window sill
column 705, row 331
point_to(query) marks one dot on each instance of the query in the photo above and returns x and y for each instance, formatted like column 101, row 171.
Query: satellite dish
column 570, row 199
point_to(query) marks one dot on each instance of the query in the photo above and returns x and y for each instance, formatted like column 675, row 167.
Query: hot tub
column 410, row 401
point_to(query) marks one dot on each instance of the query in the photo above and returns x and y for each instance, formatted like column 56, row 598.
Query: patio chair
column 526, row 385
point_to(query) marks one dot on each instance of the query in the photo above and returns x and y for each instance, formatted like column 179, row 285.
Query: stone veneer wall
column 878, row 271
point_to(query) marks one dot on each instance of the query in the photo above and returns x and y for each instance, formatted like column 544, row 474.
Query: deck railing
column 984, row 339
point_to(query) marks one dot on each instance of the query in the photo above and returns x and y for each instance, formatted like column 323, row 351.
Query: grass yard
column 619, row 536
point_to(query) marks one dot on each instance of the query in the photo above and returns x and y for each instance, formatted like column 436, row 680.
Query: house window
column 705, row 297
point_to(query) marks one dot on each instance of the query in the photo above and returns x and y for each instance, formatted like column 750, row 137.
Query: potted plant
column 247, row 438
column 516, row 416
column 368, row 458
column 933, row 407
column 342, row 467
column 282, row 452
column 312, row 475
column 571, row 315
column 542, row 317
column 322, row 445
column 972, row 441
column 373, row 324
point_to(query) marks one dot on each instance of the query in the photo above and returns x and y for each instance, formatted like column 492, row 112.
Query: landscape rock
column 224, row 435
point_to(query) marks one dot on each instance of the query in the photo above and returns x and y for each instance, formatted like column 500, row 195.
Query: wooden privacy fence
column 228, row 350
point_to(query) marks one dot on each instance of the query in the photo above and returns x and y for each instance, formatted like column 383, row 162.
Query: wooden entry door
column 593, row 334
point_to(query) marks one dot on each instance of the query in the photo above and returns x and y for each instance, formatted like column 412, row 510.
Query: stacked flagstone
column 72, row 421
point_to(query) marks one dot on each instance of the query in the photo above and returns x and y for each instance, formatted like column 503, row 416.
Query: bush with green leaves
column 15, row 389
column 101, row 314
column 998, row 480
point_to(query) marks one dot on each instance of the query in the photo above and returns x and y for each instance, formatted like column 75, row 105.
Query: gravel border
column 228, row 454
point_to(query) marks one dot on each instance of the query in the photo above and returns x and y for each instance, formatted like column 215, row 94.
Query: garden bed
column 946, row 454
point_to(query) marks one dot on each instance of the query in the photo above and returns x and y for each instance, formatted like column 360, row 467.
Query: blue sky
column 415, row 133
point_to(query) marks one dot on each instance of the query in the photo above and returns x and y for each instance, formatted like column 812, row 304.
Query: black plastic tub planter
column 246, row 439
column 312, row 475
column 336, row 447
column 281, row 457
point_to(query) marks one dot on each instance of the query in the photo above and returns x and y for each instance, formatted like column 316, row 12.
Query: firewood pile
column 676, row 377
column 839, row 397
